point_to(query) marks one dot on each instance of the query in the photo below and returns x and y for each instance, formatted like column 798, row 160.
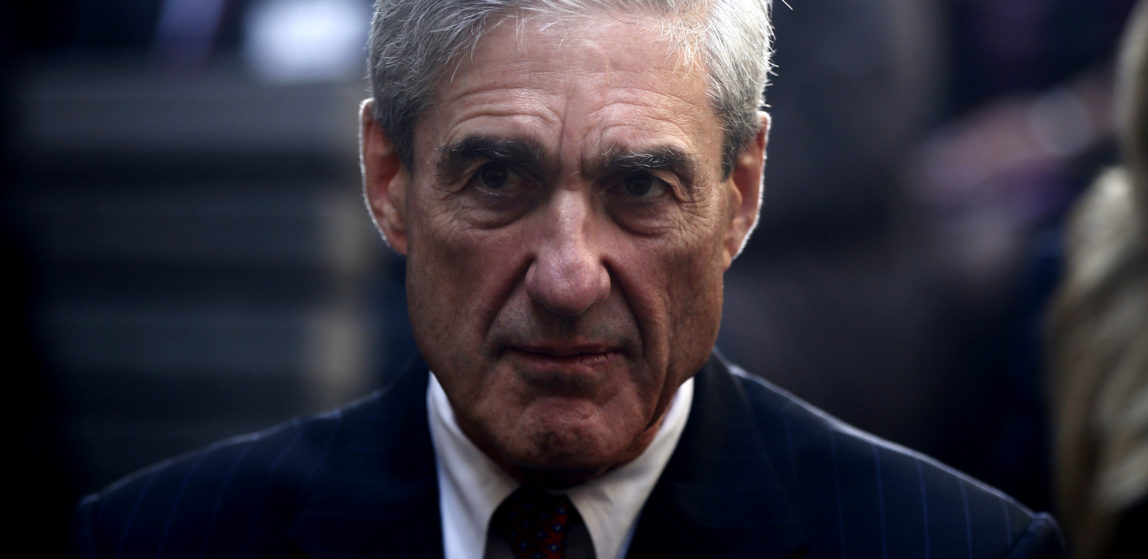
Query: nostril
column 567, row 284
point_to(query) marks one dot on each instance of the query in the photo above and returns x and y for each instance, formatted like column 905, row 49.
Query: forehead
column 589, row 84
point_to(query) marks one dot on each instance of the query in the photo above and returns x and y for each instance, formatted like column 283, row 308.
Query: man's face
column 566, row 227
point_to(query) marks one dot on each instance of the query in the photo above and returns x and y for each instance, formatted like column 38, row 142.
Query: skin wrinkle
column 571, row 261
column 457, row 159
column 474, row 94
column 663, row 158
column 699, row 32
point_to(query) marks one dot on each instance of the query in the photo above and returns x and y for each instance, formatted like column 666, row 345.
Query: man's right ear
column 385, row 179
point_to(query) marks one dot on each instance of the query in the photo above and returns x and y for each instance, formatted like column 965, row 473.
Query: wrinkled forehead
column 681, row 30
column 599, row 82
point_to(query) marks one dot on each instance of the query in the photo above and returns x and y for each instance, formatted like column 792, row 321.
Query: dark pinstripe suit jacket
column 757, row 473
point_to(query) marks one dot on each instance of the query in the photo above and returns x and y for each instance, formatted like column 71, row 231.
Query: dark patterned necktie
column 534, row 523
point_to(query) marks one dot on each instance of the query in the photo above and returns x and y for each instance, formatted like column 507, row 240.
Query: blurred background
column 188, row 257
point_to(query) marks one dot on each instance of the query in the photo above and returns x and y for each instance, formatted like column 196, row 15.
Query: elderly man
column 568, row 181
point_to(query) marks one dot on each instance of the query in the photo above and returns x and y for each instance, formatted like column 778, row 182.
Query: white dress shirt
column 471, row 486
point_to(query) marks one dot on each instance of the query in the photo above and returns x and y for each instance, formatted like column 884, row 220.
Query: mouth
column 564, row 360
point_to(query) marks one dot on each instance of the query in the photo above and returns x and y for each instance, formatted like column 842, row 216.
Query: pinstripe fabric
column 360, row 482
column 835, row 492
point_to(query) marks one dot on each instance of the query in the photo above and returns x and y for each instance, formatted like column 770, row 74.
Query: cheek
column 696, row 299
column 676, row 293
column 457, row 279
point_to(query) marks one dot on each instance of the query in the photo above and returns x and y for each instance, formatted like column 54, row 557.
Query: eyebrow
column 457, row 156
column 661, row 158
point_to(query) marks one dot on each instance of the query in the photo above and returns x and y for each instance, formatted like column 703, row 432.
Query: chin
column 556, row 470
column 559, row 452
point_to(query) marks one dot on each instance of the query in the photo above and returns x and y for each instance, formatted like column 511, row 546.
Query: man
column 568, row 181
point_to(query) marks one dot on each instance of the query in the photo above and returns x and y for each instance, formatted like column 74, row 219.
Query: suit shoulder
column 240, row 490
column 863, row 487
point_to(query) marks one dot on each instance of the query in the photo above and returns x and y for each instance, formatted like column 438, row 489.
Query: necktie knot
column 534, row 523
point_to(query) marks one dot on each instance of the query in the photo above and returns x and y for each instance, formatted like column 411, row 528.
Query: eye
column 499, row 178
column 643, row 186
column 493, row 176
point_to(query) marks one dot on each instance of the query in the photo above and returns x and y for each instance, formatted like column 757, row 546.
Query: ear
column 745, row 189
column 385, row 179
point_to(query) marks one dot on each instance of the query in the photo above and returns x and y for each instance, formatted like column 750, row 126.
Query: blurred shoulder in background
column 1098, row 337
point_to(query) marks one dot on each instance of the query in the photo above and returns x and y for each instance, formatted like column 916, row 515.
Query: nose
column 568, row 276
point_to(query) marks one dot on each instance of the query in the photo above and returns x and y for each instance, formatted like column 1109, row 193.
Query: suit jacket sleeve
column 1041, row 539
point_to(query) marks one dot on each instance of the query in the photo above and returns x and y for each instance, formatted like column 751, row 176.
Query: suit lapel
column 720, row 495
column 376, row 494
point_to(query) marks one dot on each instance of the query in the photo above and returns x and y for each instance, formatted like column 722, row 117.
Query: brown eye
column 493, row 176
column 643, row 186
column 497, row 178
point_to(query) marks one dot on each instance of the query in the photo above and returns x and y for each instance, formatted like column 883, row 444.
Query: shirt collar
column 471, row 485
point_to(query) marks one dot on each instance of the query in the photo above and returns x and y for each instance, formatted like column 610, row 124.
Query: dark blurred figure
column 1098, row 344
column 883, row 296
column 829, row 299
column 1026, row 123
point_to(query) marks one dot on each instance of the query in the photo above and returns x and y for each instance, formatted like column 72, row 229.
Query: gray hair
column 414, row 42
